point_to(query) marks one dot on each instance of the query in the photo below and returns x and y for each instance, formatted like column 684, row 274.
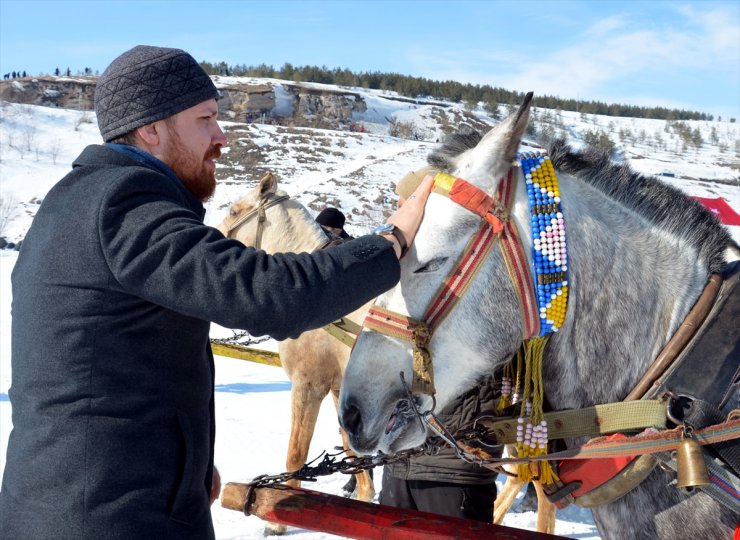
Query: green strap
column 344, row 330
column 592, row 421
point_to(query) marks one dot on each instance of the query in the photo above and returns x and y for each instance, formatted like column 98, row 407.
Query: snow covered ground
column 37, row 146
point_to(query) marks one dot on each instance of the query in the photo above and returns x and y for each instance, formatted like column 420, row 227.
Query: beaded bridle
column 542, row 306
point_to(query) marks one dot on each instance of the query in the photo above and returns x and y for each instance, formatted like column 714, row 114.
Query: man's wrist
column 392, row 233
column 396, row 244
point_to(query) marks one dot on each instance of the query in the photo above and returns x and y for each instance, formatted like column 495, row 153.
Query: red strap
column 592, row 472
column 476, row 200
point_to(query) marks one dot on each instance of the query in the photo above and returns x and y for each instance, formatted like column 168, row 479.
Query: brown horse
column 268, row 219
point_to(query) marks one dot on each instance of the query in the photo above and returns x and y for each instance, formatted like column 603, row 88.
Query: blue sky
column 645, row 52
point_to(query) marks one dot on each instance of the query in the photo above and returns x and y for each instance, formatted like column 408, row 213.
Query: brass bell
column 692, row 469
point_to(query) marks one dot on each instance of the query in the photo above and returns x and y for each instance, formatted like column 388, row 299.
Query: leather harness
column 697, row 373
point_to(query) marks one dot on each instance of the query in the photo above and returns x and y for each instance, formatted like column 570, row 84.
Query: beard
column 197, row 176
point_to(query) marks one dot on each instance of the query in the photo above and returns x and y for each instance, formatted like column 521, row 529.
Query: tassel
column 506, row 388
column 532, row 428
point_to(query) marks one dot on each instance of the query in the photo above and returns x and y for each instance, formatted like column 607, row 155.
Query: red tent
column 721, row 209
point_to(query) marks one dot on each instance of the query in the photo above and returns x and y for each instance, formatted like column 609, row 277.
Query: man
column 443, row 483
column 332, row 221
column 113, row 291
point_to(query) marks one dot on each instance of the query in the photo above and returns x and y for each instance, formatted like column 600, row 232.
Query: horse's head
column 481, row 331
column 267, row 218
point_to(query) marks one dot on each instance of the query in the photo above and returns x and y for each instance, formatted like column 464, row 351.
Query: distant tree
column 7, row 209
column 713, row 136
column 599, row 139
column 416, row 87
column 56, row 72
column 69, row 72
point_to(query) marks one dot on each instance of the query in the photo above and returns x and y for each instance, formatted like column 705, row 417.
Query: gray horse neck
column 630, row 287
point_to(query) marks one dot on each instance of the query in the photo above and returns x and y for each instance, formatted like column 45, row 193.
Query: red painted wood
column 318, row 511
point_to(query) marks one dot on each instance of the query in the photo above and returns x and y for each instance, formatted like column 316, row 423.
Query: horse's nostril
column 351, row 419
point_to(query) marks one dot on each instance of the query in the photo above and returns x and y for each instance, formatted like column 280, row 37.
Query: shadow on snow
column 245, row 388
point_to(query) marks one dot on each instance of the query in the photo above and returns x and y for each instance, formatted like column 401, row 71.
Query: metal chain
column 354, row 464
column 347, row 465
column 240, row 335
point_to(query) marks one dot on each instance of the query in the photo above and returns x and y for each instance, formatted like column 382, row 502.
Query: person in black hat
column 332, row 220
column 114, row 290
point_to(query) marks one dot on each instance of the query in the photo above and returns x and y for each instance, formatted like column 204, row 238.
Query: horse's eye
column 233, row 212
column 431, row 266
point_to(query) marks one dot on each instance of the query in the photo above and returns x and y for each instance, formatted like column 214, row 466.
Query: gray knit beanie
column 146, row 84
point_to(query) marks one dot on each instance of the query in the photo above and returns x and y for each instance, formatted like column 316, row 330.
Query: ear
column 149, row 134
column 519, row 121
column 268, row 184
column 502, row 142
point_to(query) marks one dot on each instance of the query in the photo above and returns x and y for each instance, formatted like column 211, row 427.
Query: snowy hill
column 355, row 171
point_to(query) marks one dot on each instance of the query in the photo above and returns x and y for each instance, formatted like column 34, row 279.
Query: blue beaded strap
column 549, row 252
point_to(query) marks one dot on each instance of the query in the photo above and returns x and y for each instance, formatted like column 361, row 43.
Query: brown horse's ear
column 268, row 184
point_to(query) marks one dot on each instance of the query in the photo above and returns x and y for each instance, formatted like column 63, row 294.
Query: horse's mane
column 452, row 146
column 664, row 206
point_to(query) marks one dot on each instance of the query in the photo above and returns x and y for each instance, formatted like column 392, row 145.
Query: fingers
column 408, row 217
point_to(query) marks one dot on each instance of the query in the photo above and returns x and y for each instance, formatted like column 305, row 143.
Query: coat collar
column 111, row 154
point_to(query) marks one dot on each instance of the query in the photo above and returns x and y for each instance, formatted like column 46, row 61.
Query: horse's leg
column 545, row 511
column 365, row 488
column 506, row 497
column 305, row 404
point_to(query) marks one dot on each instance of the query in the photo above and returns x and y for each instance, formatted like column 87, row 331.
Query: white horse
column 638, row 256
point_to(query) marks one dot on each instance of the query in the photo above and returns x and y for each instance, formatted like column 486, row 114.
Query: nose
column 219, row 138
column 350, row 417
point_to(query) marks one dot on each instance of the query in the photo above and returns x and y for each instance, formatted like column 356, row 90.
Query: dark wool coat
column 446, row 466
column 112, row 371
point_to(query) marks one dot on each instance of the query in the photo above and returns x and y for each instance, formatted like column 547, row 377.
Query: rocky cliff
column 285, row 104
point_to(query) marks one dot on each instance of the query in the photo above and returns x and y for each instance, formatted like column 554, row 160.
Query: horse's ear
column 268, row 184
column 501, row 143
column 516, row 125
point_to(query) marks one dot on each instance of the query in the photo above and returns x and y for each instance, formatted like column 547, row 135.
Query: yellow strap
column 443, row 183
column 344, row 330
column 591, row 421
column 241, row 352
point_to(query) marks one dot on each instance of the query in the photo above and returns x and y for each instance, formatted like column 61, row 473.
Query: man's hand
column 215, row 485
column 409, row 215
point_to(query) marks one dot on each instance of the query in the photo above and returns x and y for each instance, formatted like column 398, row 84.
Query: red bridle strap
column 496, row 224
column 517, row 264
column 472, row 198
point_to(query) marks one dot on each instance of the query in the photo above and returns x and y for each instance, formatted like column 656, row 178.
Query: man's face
column 335, row 230
column 191, row 141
